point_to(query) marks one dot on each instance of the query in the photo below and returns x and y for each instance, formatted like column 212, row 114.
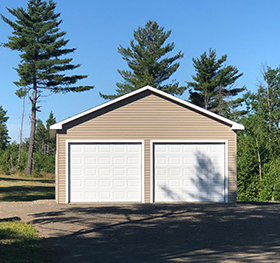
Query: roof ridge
column 234, row 125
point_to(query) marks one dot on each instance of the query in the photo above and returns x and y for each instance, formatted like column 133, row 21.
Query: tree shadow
column 207, row 184
column 209, row 181
column 209, row 232
column 26, row 193
column 27, row 180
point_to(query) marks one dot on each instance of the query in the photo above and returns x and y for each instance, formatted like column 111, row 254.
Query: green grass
column 19, row 242
column 20, row 188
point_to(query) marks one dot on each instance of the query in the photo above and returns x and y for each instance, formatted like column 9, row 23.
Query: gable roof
column 234, row 125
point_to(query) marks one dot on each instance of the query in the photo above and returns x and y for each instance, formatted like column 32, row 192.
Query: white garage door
column 191, row 172
column 105, row 172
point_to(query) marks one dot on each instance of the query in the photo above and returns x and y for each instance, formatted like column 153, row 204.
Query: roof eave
column 237, row 127
column 234, row 125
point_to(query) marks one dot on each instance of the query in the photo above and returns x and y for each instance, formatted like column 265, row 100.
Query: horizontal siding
column 149, row 117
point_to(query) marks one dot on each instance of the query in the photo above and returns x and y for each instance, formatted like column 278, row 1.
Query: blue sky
column 248, row 31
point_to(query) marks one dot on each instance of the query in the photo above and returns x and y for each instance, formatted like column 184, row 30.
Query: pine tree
column 148, row 62
column 213, row 84
column 40, row 137
column 36, row 35
column 21, row 93
column 4, row 137
column 50, row 141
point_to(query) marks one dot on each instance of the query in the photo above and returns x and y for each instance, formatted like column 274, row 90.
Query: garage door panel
column 90, row 149
column 174, row 161
column 119, row 183
column 90, row 195
column 77, row 183
column 104, row 160
column 90, row 172
column 90, row 183
column 105, row 196
column 133, row 149
column 119, row 195
column 118, row 160
column 76, row 149
column 133, row 195
column 105, row 172
column 133, row 171
column 189, row 172
column 174, row 148
column 188, row 160
column 119, row 148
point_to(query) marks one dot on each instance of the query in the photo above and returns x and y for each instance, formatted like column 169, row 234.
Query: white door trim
column 67, row 163
column 152, row 142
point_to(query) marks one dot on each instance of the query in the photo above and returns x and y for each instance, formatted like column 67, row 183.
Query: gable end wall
column 147, row 117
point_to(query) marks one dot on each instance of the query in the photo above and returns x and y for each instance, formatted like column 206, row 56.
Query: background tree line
column 13, row 155
column 41, row 43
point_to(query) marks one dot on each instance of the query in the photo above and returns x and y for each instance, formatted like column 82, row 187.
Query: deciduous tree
column 259, row 144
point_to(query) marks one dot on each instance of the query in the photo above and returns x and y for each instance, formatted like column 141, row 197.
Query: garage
column 105, row 172
column 146, row 146
column 189, row 172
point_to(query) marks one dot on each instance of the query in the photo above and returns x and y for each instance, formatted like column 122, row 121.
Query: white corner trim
column 226, row 172
column 152, row 176
column 234, row 125
column 67, row 175
column 67, row 162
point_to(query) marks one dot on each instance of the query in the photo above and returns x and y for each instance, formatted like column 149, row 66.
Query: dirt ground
column 242, row 232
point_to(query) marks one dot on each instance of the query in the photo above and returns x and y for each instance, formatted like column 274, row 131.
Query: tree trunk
column 269, row 107
column 28, row 170
column 21, row 128
column 12, row 165
column 220, row 100
column 205, row 99
column 259, row 159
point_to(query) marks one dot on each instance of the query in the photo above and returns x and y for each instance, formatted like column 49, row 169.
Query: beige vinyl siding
column 146, row 116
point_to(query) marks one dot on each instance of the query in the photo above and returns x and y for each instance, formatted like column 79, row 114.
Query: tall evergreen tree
column 40, row 136
column 4, row 137
column 213, row 84
column 36, row 35
column 50, row 141
column 43, row 141
column 148, row 62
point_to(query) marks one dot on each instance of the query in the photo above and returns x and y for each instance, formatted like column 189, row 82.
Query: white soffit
column 234, row 125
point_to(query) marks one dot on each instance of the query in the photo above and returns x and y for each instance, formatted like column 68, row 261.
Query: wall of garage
column 145, row 116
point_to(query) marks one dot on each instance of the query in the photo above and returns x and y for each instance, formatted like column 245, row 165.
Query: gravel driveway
column 240, row 232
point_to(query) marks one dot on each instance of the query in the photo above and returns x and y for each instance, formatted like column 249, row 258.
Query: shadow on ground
column 26, row 180
column 26, row 193
column 165, row 233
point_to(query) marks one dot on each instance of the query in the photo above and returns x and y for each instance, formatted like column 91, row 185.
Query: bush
column 44, row 163
column 10, row 164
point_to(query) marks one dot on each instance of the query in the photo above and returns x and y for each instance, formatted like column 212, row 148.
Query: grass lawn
column 21, row 188
column 19, row 243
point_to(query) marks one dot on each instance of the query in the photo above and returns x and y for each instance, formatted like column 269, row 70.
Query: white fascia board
column 58, row 125
column 237, row 126
column 234, row 125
